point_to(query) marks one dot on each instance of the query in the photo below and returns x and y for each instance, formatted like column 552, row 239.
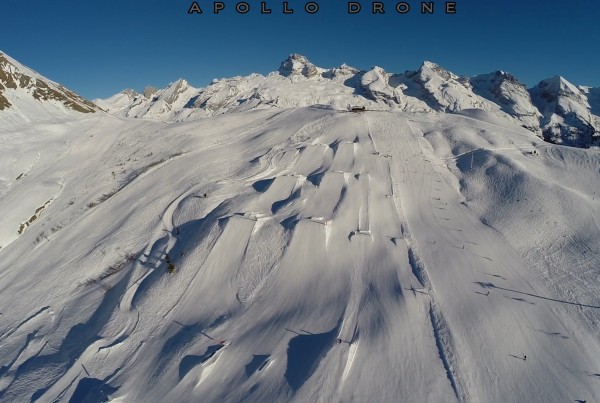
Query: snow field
column 316, row 226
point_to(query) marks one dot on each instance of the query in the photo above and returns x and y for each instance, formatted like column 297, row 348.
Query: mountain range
column 313, row 235
column 554, row 109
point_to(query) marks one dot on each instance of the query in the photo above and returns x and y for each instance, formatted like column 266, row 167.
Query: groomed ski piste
column 301, row 254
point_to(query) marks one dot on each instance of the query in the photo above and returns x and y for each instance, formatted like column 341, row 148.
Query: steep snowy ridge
column 25, row 94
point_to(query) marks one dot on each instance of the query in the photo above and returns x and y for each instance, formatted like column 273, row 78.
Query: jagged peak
column 431, row 65
column 376, row 74
column 172, row 92
column 345, row 67
column 296, row 64
column 557, row 82
column 130, row 92
column 378, row 69
column 149, row 91
column 427, row 68
column 181, row 82
column 343, row 71
column 297, row 57
column 503, row 74
column 497, row 77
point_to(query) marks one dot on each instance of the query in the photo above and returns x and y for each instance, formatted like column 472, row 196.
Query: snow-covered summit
column 297, row 64
column 510, row 95
column 568, row 116
column 442, row 90
column 375, row 85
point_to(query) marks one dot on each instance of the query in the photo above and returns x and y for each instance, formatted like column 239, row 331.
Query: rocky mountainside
column 25, row 94
column 555, row 109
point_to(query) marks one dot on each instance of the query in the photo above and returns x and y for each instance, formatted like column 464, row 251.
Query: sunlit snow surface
column 440, row 249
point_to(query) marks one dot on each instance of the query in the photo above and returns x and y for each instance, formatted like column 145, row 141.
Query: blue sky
column 99, row 47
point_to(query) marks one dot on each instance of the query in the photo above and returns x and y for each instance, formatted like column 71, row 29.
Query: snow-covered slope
column 296, row 65
column 26, row 95
column 220, row 259
column 301, row 254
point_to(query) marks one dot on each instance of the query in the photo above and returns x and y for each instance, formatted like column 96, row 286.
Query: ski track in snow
column 270, row 235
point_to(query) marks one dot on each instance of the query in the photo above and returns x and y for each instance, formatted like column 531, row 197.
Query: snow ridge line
column 441, row 334
column 443, row 337
column 419, row 272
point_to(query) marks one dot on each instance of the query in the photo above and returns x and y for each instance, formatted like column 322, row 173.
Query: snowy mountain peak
column 556, row 86
column 428, row 69
column 343, row 71
column 500, row 75
column 510, row 95
column 149, row 91
column 174, row 90
column 297, row 64
column 129, row 92
column 180, row 83
column 375, row 85
column 441, row 89
column 568, row 115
